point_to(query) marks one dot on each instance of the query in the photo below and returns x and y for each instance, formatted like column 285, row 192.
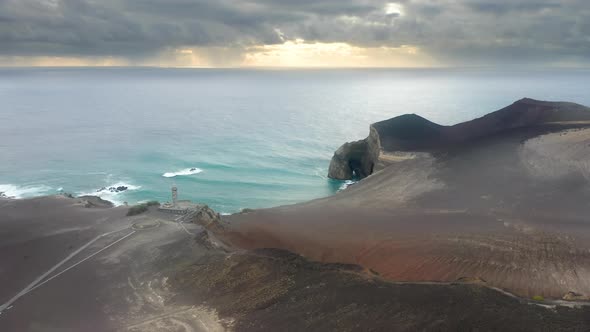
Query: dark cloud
column 455, row 31
column 504, row 7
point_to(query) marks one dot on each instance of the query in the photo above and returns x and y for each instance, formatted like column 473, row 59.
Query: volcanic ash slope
column 503, row 198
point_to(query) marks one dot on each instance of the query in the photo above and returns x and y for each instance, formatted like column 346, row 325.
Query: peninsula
column 502, row 198
column 477, row 226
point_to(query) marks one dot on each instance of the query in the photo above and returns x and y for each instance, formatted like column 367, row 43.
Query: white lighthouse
column 174, row 196
column 179, row 207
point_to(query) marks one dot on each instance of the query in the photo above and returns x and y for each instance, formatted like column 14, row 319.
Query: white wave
column 346, row 184
column 110, row 195
column 186, row 171
column 13, row 191
column 60, row 189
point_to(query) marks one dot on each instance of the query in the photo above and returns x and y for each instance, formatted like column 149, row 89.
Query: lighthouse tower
column 174, row 196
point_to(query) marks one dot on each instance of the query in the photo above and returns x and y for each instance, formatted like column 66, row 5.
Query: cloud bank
column 268, row 32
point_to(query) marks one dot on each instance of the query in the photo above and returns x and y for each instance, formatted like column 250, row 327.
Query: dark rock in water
column 412, row 133
column 193, row 169
column 2, row 194
column 360, row 159
column 348, row 161
column 113, row 189
column 119, row 189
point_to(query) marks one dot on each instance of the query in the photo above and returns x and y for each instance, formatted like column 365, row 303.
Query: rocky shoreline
column 500, row 198
column 412, row 133
column 478, row 226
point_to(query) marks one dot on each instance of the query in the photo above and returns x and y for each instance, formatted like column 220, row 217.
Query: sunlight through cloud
column 393, row 8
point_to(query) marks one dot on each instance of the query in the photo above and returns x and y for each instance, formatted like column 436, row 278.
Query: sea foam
column 186, row 171
column 346, row 184
column 14, row 191
column 111, row 196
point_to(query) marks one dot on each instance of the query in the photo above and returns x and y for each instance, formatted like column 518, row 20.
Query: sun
column 393, row 8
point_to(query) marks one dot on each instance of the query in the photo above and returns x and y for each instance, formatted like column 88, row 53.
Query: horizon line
column 294, row 68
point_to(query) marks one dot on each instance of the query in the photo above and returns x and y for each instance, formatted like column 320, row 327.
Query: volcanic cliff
column 391, row 139
column 503, row 198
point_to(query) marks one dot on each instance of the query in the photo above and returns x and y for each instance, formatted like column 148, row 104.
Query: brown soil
column 513, row 214
column 271, row 290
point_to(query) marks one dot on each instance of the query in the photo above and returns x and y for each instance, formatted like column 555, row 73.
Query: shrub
column 137, row 209
column 141, row 208
column 538, row 298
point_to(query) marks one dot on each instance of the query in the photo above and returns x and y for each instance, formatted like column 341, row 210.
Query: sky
column 294, row 33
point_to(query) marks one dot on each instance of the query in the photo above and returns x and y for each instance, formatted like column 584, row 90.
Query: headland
column 482, row 225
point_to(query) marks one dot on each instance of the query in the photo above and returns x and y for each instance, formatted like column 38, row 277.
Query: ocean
column 230, row 138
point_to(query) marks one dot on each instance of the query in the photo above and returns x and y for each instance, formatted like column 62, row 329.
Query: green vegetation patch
column 141, row 208
column 538, row 298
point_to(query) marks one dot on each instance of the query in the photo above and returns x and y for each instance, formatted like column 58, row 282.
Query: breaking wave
column 112, row 193
column 186, row 171
column 14, row 191
column 346, row 184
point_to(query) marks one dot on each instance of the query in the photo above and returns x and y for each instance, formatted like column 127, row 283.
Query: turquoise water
column 256, row 138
